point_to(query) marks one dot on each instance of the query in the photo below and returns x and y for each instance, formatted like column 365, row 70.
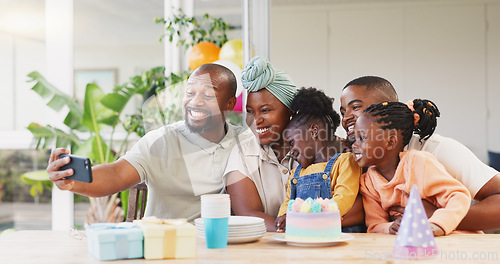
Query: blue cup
column 216, row 232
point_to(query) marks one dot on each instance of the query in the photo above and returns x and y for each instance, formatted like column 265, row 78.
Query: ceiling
column 113, row 22
column 105, row 22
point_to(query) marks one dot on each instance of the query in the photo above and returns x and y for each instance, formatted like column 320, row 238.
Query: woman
column 258, row 168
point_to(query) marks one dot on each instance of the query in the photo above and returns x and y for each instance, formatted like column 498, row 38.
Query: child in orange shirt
column 382, row 132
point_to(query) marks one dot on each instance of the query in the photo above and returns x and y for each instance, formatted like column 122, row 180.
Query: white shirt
column 260, row 164
column 458, row 160
column 178, row 166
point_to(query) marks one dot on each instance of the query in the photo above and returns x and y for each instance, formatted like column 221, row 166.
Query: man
column 178, row 162
column 482, row 181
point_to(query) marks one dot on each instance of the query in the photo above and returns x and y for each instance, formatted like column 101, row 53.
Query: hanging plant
column 208, row 29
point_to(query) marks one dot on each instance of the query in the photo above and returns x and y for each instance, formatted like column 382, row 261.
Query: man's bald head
column 222, row 73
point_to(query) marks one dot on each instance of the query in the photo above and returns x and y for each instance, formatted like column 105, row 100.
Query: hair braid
column 428, row 113
column 397, row 115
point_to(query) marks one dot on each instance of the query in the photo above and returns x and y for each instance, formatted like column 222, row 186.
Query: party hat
column 415, row 239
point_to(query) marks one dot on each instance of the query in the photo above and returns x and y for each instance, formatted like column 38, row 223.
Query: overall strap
column 329, row 165
column 293, row 182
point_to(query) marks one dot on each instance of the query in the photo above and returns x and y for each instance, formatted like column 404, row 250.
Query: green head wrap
column 260, row 74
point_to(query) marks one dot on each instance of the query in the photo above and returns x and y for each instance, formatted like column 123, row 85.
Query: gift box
column 109, row 241
column 168, row 238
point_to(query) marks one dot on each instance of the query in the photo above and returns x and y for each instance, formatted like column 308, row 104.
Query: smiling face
column 303, row 147
column 370, row 146
column 353, row 101
column 205, row 101
column 267, row 117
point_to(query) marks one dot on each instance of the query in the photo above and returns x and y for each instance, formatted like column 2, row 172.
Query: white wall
column 439, row 50
column 18, row 104
column 493, row 76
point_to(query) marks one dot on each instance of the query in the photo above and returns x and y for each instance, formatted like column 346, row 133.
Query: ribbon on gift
column 103, row 226
column 155, row 220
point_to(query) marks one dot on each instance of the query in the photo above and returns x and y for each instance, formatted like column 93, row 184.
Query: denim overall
column 317, row 185
column 313, row 185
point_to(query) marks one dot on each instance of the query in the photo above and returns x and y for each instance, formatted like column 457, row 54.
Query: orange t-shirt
column 433, row 182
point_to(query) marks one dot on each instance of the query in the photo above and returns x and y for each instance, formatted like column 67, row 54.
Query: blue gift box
column 109, row 241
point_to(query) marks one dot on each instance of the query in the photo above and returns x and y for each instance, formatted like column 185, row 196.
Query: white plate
column 201, row 233
column 343, row 237
column 236, row 240
column 240, row 232
column 242, row 229
column 237, row 221
column 244, row 220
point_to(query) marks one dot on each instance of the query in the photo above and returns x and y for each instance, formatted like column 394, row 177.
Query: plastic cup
column 216, row 232
column 215, row 211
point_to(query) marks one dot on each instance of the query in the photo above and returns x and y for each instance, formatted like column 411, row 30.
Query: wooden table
column 60, row 247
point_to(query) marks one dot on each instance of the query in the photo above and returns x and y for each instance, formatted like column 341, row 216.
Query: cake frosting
column 312, row 220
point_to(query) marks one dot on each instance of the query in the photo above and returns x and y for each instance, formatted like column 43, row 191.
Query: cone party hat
column 415, row 239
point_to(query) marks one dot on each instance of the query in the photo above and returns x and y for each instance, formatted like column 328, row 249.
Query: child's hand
column 437, row 230
column 280, row 223
column 393, row 229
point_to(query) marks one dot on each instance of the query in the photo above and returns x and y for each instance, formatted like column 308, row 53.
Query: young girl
column 311, row 136
column 382, row 132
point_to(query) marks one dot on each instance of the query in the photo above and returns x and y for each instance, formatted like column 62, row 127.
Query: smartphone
column 82, row 168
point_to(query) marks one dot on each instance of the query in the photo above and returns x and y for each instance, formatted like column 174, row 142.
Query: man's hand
column 57, row 176
column 281, row 223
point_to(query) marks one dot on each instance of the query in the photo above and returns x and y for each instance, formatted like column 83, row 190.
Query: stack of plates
column 241, row 229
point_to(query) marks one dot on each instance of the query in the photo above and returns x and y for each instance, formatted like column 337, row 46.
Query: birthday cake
column 312, row 220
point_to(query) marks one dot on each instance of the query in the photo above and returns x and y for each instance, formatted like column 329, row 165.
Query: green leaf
column 33, row 191
column 59, row 99
column 99, row 150
column 46, row 135
column 94, row 111
column 39, row 175
column 38, row 180
column 85, row 149
column 115, row 101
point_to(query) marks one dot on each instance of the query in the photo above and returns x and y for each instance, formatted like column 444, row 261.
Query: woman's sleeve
column 376, row 217
column 346, row 186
